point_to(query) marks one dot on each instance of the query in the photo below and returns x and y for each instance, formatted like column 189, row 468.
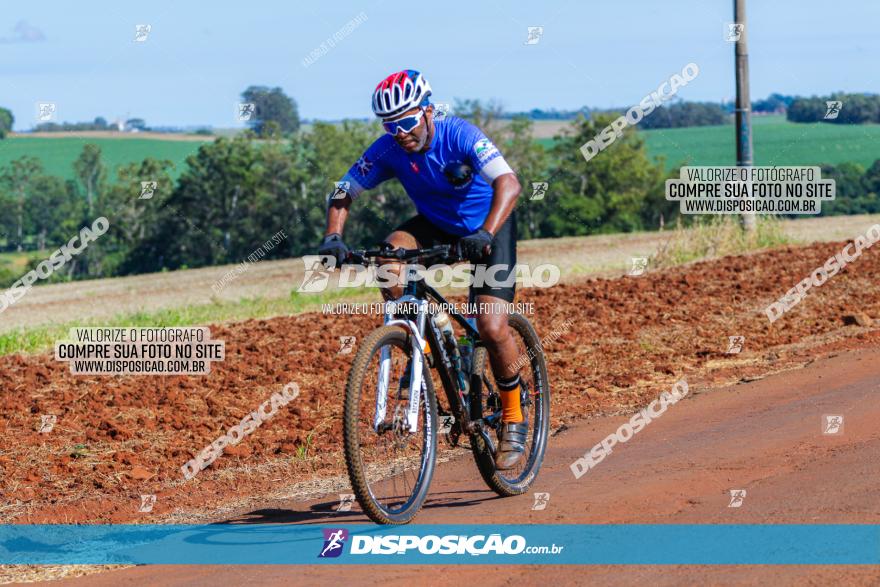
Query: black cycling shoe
column 512, row 447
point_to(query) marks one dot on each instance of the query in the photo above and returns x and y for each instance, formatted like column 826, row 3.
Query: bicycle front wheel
column 389, row 466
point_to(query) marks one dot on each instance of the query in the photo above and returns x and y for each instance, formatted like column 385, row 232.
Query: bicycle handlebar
column 363, row 256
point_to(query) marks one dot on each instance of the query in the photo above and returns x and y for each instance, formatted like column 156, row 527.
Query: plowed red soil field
column 117, row 438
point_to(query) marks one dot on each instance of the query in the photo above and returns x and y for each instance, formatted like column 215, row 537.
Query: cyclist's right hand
column 333, row 246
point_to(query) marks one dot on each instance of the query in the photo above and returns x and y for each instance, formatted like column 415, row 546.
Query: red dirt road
column 764, row 436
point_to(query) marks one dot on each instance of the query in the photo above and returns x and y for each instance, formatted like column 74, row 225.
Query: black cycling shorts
column 503, row 253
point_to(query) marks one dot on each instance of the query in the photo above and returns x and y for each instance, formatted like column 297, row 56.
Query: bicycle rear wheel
column 390, row 469
column 535, row 401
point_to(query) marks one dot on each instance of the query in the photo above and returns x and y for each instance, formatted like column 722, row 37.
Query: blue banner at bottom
column 245, row 544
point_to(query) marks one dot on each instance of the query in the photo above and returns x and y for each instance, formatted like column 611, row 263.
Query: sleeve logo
column 484, row 150
column 364, row 165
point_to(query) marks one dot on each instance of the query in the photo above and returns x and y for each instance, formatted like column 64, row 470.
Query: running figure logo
column 737, row 496
column 539, row 190
column 342, row 189
column 734, row 32
column 832, row 424
column 639, row 264
column 541, row 501
column 346, row 344
column 246, row 111
column 46, row 111
column 441, row 110
column 346, row 500
column 141, row 32
column 148, row 188
column 735, row 344
column 317, row 273
column 334, row 538
column 47, row 423
column 446, row 424
column 535, row 34
column 832, row 109
column 147, row 503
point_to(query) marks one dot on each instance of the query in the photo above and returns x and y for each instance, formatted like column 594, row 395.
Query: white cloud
column 23, row 32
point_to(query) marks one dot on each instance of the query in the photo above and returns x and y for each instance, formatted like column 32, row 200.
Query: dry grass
column 716, row 237
column 39, row 573
column 186, row 297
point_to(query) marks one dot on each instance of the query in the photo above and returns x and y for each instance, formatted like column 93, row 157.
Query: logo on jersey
column 334, row 538
column 364, row 165
column 414, row 166
column 485, row 150
column 459, row 174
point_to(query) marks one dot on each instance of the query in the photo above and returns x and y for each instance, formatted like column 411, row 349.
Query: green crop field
column 776, row 142
column 58, row 154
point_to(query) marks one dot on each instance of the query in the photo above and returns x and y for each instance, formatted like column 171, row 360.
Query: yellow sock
column 510, row 408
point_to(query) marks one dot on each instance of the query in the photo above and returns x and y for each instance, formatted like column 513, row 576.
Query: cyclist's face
column 414, row 141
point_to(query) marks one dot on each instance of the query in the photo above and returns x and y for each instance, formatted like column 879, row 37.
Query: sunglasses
column 405, row 124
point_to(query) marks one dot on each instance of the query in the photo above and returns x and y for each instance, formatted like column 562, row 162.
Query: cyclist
column 464, row 192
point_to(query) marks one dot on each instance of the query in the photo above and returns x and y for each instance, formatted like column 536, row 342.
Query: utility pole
column 743, row 102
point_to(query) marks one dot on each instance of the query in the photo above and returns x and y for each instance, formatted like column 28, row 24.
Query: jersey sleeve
column 484, row 156
column 367, row 172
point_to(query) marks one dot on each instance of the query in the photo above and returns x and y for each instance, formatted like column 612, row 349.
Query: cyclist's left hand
column 477, row 245
column 334, row 246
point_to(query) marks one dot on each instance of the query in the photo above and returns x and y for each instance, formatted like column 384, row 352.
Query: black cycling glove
column 333, row 246
column 477, row 245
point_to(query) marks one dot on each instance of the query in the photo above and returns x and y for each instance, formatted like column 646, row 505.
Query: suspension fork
column 417, row 364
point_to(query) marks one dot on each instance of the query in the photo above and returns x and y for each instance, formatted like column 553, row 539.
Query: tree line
column 843, row 109
column 237, row 192
column 857, row 189
column 273, row 105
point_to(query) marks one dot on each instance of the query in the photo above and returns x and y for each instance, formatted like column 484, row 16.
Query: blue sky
column 198, row 58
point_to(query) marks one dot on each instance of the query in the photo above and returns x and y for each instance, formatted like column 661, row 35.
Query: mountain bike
column 391, row 411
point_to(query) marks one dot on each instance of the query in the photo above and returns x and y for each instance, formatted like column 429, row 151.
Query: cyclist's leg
column 503, row 354
column 492, row 296
column 494, row 288
column 397, row 239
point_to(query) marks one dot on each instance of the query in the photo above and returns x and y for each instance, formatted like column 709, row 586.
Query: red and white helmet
column 400, row 92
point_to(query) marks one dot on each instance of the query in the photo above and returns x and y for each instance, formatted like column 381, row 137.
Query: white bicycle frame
column 418, row 362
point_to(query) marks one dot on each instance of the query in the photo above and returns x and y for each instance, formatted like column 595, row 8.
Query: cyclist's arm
column 337, row 213
column 487, row 159
column 505, row 191
column 368, row 172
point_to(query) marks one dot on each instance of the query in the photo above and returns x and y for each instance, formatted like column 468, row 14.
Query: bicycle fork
column 417, row 329
column 417, row 363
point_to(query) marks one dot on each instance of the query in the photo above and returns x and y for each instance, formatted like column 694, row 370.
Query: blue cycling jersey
column 457, row 203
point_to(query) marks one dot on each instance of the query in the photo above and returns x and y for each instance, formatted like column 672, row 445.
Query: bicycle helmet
column 400, row 92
